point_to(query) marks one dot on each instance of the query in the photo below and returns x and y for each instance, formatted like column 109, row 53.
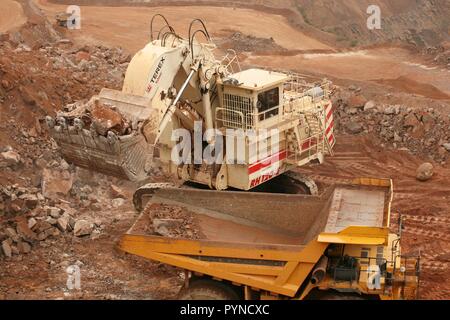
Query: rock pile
column 37, row 78
column 21, row 234
column 425, row 132
column 171, row 221
column 248, row 43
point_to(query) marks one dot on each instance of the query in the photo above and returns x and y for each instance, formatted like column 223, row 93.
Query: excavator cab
column 251, row 99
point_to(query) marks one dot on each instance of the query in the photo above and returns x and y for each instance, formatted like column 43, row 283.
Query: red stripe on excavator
column 331, row 139
column 308, row 144
column 267, row 161
column 329, row 113
column 329, row 127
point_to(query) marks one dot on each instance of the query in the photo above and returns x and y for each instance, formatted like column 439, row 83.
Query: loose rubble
column 83, row 228
column 423, row 132
column 170, row 221
column 56, row 182
column 249, row 43
column 24, row 232
column 116, row 192
column 37, row 81
column 9, row 158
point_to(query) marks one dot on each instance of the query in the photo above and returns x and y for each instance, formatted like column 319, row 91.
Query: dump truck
column 246, row 126
column 240, row 245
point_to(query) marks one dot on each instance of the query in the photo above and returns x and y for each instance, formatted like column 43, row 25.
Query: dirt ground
column 394, row 66
column 303, row 53
column 106, row 24
column 11, row 15
column 105, row 273
column 393, row 74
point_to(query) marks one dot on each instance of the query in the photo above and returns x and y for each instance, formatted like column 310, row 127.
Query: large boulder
column 6, row 247
column 82, row 228
column 446, row 146
column 411, row 121
column 9, row 158
column 117, row 202
column 55, row 182
column 116, row 192
column 424, row 171
column 356, row 101
column 370, row 105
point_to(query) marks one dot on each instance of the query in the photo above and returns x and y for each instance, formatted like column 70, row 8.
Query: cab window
column 268, row 100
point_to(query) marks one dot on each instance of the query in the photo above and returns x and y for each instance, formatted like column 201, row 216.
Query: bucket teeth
column 93, row 131
column 102, row 141
column 78, row 124
column 112, row 138
column 61, row 121
column 50, row 122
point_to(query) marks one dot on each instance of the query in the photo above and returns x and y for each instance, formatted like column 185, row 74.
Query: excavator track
column 307, row 181
column 144, row 193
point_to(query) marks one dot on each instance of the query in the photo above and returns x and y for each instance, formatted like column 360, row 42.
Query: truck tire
column 205, row 289
column 316, row 294
column 342, row 297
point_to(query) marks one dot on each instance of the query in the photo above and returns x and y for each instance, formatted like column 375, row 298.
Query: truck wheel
column 208, row 290
column 316, row 294
column 342, row 297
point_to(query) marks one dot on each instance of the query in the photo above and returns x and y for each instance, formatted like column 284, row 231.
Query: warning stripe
column 329, row 124
column 331, row 139
column 329, row 128
column 329, row 113
column 267, row 161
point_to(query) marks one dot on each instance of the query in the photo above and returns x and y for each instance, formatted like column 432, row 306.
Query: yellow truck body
column 283, row 246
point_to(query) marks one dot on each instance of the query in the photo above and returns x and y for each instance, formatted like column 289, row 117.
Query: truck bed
column 268, row 218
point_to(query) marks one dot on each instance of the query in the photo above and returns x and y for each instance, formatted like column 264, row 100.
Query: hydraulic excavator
column 252, row 125
column 205, row 121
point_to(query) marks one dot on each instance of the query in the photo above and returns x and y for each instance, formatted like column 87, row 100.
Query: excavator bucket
column 111, row 134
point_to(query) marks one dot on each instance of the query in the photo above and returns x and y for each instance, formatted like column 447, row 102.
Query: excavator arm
column 115, row 132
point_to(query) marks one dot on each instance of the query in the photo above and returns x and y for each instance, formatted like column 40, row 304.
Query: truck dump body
column 266, row 241
column 280, row 218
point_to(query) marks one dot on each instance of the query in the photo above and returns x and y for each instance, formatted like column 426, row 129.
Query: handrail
column 240, row 124
column 258, row 115
column 229, row 61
